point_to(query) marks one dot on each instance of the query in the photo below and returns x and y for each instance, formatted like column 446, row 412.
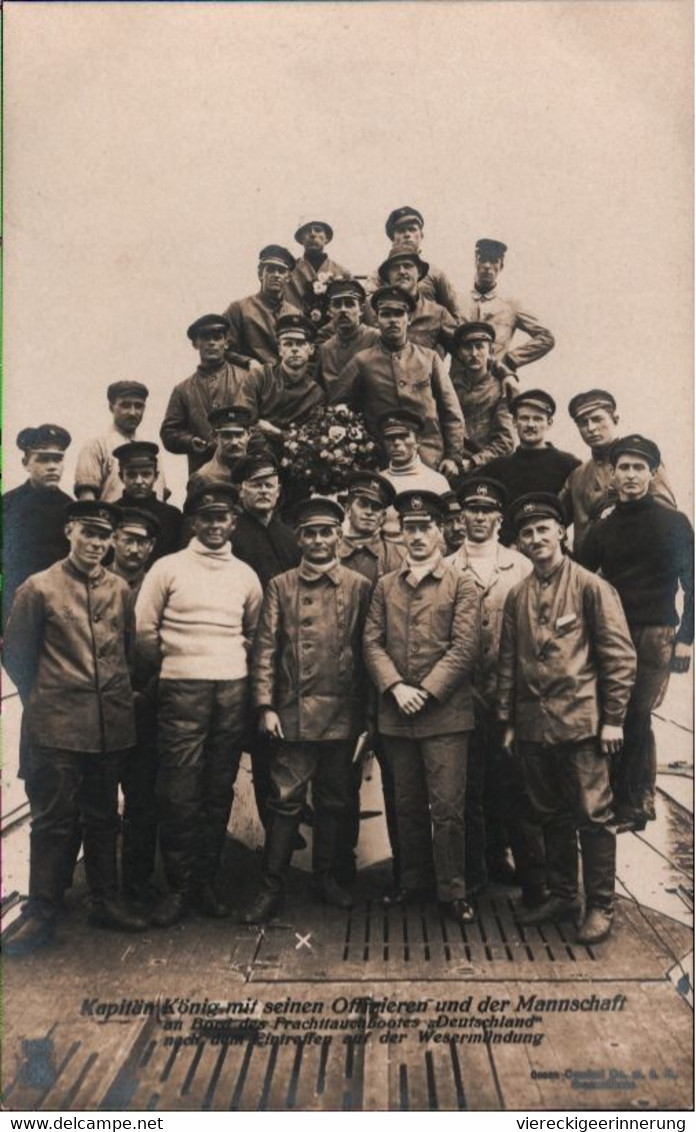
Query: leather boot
column 208, row 903
column 553, row 910
column 277, row 854
column 35, row 928
column 596, row 926
column 169, row 910
column 598, row 844
column 106, row 913
column 329, row 891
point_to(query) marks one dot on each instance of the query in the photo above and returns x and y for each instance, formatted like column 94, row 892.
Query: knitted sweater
column 197, row 612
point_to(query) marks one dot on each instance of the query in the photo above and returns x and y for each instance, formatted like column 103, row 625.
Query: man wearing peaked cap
column 646, row 551
column 565, row 672
column 430, row 324
column 72, row 675
column 96, row 472
column 289, row 392
column 196, row 616
column 311, row 267
column 484, row 304
column 134, row 540
column 396, row 374
column 589, row 489
column 137, row 469
column 252, row 339
column 535, row 466
column 345, row 302
column 311, row 691
column 34, row 513
column 483, row 387
column 216, row 384
column 404, row 227
column 421, row 645
column 496, row 815
column 453, row 526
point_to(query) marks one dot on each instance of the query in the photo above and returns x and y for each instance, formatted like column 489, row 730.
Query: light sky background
column 152, row 149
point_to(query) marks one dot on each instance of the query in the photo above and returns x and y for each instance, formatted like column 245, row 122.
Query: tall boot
column 598, row 844
column 277, row 854
column 561, row 842
column 330, row 829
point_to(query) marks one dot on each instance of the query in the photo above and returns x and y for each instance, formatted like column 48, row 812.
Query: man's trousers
column 635, row 768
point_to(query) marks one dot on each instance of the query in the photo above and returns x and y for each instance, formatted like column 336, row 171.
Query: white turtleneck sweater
column 197, row 612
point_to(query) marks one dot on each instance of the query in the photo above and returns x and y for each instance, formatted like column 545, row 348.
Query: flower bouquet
column 321, row 454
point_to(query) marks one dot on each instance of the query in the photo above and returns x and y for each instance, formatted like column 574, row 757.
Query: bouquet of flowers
column 322, row 453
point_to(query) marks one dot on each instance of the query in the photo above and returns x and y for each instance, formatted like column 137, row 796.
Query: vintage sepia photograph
column 348, row 563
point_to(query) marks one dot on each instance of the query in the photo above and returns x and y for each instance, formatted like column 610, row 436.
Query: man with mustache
column 345, row 299
column 480, row 385
column 313, row 235
column 430, row 324
column 137, row 469
column 405, row 228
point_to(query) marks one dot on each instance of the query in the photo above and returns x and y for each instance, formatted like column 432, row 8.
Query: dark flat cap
column 395, row 295
column 420, row 505
column 535, row 505
column 230, row 416
column 317, row 511
column 138, row 521
column 211, row 495
column 304, row 224
column 536, row 398
column 400, row 254
column 583, row 403
column 127, row 389
column 104, row 515
column 451, row 504
column 636, row 445
column 295, row 324
column 136, row 452
column 396, row 420
column 496, row 249
column 406, row 212
column 45, row 438
column 275, row 253
column 371, row 485
column 207, row 322
column 254, row 466
column 473, row 332
column 483, row 490
column 342, row 287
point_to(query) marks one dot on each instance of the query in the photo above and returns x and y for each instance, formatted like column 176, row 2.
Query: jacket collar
column 438, row 571
column 308, row 574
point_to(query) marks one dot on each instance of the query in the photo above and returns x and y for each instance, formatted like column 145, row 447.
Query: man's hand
column 268, row 429
column 610, row 739
column 508, row 740
column 467, row 465
column 409, row 700
column 254, row 366
column 449, row 468
column 681, row 657
column 269, row 724
column 511, row 386
column 198, row 444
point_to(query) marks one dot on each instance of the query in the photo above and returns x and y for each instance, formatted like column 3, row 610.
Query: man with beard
column 421, row 646
column 67, row 643
column 196, row 615
column 314, row 235
column 310, row 688
column 397, row 374
column 216, row 384
column 482, row 396
column 646, row 551
column 590, row 489
column 484, row 304
column 96, row 473
column 565, row 672
column 345, row 300
column 34, row 514
column 137, row 468
column 405, row 228
column 231, row 431
column 253, row 322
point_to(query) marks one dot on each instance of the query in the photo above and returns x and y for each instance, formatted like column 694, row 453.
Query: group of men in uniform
column 434, row 615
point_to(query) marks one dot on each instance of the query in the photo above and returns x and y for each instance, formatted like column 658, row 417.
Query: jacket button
column 485, row 621
column 96, row 617
column 542, row 621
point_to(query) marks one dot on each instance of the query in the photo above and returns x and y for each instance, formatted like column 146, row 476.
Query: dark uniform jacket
column 283, row 401
column 567, row 663
column 170, row 519
column 307, row 659
column 371, row 557
column 426, row 633
column 66, row 648
column 269, row 550
column 252, row 335
column 33, row 538
column 191, row 401
column 336, row 352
